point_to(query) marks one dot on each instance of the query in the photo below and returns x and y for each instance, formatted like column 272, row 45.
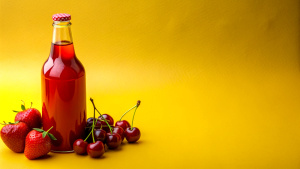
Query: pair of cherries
column 132, row 134
column 101, row 131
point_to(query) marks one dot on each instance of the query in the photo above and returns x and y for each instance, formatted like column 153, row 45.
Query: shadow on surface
column 45, row 157
column 136, row 143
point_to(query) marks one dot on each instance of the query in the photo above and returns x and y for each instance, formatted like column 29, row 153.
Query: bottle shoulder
column 62, row 69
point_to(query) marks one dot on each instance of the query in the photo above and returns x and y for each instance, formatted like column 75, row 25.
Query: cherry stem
column 137, row 105
column 30, row 105
column 127, row 112
column 111, row 131
column 94, row 127
column 133, row 117
column 92, row 131
column 88, row 136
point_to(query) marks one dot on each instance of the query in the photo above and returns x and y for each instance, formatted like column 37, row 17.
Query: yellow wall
column 219, row 80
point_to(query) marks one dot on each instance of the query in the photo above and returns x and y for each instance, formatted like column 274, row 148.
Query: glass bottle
column 63, row 88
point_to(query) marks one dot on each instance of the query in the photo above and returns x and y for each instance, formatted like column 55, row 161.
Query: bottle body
column 63, row 96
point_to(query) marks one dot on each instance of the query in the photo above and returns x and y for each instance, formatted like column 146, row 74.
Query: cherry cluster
column 102, row 134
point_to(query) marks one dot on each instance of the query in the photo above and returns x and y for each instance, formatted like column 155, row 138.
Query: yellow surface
column 219, row 80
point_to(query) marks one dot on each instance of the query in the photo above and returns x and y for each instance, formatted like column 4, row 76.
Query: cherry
column 123, row 123
column 113, row 140
column 80, row 146
column 108, row 118
column 96, row 149
column 89, row 123
column 100, row 135
column 132, row 134
column 106, row 128
column 119, row 130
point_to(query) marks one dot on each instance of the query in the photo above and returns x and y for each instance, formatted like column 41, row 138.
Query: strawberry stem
column 49, row 129
column 23, row 106
column 46, row 133
column 23, row 102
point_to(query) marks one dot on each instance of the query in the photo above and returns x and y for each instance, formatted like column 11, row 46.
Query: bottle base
column 55, row 151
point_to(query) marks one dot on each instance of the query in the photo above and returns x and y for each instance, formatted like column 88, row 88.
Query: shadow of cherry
column 135, row 143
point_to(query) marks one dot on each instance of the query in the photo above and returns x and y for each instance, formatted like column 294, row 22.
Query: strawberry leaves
column 39, row 130
column 22, row 107
column 51, row 136
column 46, row 133
column 4, row 123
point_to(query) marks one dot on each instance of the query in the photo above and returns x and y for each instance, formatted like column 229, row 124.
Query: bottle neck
column 62, row 33
column 62, row 42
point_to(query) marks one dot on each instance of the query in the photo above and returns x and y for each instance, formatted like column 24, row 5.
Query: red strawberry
column 38, row 143
column 14, row 134
column 32, row 117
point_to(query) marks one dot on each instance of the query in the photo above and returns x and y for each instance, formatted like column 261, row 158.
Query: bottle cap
column 61, row 17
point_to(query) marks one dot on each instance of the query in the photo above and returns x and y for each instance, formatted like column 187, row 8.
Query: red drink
column 63, row 91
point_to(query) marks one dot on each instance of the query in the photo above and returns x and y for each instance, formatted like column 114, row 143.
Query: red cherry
column 132, row 135
column 110, row 121
column 113, row 140
column 123, row 123
column 99, row 135
column 119, row 130
column 89, row 123
column 106, row 128
column 108, row 118
column 96, row 149
column 80, row 146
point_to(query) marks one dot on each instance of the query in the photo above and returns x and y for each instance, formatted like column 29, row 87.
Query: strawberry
column 14, row 134
column 38, row 143
column 32, row 117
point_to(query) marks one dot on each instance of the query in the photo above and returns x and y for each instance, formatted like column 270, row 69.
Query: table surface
column 219, row 81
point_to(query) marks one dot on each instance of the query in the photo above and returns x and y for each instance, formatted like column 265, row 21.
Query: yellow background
column 219, row 80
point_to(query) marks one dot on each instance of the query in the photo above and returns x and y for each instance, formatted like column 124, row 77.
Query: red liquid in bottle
column 63, row 96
